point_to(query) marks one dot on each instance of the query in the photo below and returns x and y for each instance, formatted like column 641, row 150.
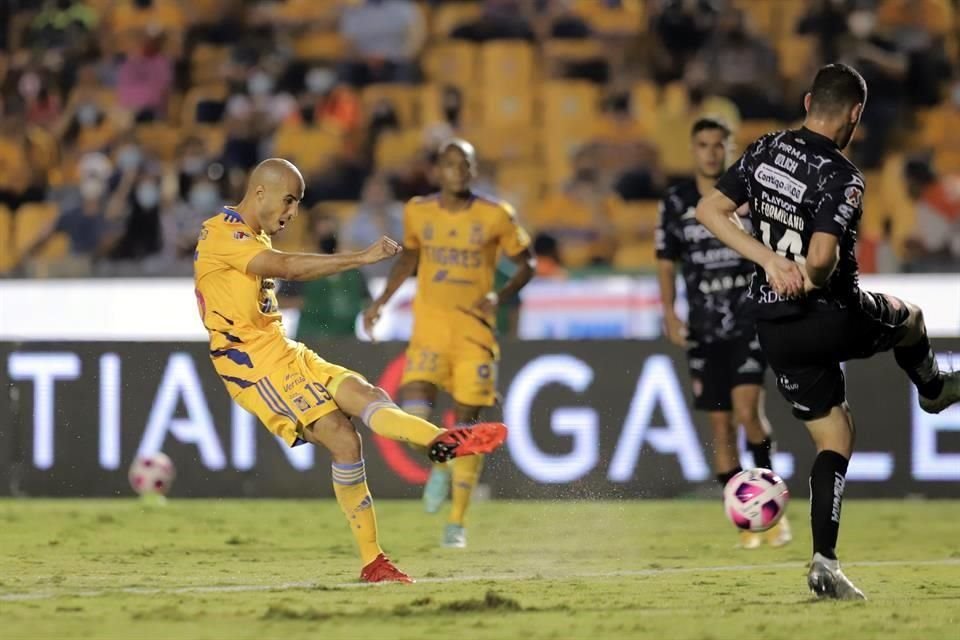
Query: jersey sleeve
column 840, row 205
column 411, row 239
column 733, row 183
column 668, row 238
column 512, row 238
column 233, row 246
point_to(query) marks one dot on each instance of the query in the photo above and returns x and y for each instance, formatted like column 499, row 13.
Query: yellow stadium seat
column 213, row 136
column 159, row 138
column 559, row 148
column 507, row 107
column 644, row 102
column 573, row 50
column 761, row 14
column 404, row 99
column 674, row 149
column 310, row 148
column 522, row 185
column 8, row 256
column 450, row 15
column 510, row 144
column 396, row 148
column 506, row 64
column 636, row 256
column 215, row 92
column 675, row 100
column 750, row 130
column 207, row 64
column 55, row 248
column 796, row 55
column 320, row 45
column 570, row 106
column 452, row 62
column 431, row 106
column 635, row 219
column 31, row 222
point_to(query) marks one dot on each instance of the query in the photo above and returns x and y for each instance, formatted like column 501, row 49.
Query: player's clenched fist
column 382, row 249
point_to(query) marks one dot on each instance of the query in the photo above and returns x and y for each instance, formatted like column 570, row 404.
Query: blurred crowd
column 125, row 123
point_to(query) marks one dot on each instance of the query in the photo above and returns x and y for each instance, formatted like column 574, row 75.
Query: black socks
column 827, row 479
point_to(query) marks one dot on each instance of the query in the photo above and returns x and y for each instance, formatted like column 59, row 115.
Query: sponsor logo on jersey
column 784, row 162
column 776, row 180
column 476, row 233
column 796, row 153
column 240, row 235
column 854, row 196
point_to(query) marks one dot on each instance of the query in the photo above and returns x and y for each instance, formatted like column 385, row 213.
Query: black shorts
column 805, row 351
column 717, row 367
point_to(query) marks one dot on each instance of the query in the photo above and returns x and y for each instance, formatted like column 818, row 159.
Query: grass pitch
column 286, row 569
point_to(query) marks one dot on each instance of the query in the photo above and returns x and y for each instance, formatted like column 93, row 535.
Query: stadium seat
column 762, row 15
column 507, row 107
column 397, row 148
column 674, row 149
column 215, row 92
column 8, row 256
column 796, row 55
column 30, row 222
column 404, row 99
column 634, row 220
column 644, row 102
column 558, row 149
column 159, row 138
column 570, row 106
column 750, row 130
column 431, row 105
column 320, row 45
column 636, row 256
column 207, row 64
column 452, row 62
column 522, row 185
column 506, row 64
column 499, row 144
column 674, row 100
column 448, row 16
column 570, row 50
column 310, row 148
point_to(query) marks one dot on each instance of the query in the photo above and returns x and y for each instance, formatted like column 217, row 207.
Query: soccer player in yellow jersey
column 297, row 395
column 453, row 239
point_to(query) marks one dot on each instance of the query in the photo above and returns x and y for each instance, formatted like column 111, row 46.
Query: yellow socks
column 386, row 419
column 465, row 474
column 350, row 486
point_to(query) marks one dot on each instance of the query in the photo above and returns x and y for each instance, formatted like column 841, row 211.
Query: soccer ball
column 152, row 474
column 755, row 499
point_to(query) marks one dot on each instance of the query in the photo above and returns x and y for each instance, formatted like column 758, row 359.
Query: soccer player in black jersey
column 726, row 364
column 806, row 200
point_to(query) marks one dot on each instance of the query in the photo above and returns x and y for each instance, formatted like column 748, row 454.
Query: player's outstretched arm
column 402, row 269
column 311, row 266
column 716, row 212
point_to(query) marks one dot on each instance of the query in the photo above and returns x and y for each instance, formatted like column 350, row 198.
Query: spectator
column 918, row 29
column 579, row 217
column 935, row 243
column 329, row 306
column 884, row 68
column 500, row 20
column 23, row 165
column 740, row 65
column 385, row 38
column 827, row 21
column 549, row 262
column 681, row 28
column 181, row 220
column 61, row 24
column 144, row 80
column 137, row 201
column 379, row 214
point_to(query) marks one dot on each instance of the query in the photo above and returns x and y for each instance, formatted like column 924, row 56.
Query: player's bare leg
column 337, row 434
column 914, row 355
column 749, row 412
column 726, row 462
column 834, row 435
column 466, row 474
column 357, row 397
column 418, row 398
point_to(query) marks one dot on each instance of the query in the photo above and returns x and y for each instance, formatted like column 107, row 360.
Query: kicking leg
column 748, row 410
column 834, row 436
column 336, row 433
column 466, row 474
column 915, row 356
column 418, row 398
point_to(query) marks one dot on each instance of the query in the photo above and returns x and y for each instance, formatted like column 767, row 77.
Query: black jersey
column 797, row 183
column 717, row 277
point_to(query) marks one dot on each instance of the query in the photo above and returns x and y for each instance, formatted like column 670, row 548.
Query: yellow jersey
column 238, row 309
column 459, row 249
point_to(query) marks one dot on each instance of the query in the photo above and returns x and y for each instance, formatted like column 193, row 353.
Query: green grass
column 117, row 569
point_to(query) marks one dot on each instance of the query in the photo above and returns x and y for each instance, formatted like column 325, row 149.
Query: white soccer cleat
column 826, row 580
column 948, row 395
column 779, row 535
column 455, row 537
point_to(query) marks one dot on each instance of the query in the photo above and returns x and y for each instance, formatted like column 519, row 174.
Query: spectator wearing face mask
column 384, row 38
column 182, row 219
column 380, row 214
column 137, row 201
column 329, row 307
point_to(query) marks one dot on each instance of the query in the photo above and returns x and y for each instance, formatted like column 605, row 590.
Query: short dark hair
column 708, row 123
column 837, row 87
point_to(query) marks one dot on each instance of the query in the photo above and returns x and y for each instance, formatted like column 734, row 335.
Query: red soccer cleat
column 382, row 570
column 484, row 437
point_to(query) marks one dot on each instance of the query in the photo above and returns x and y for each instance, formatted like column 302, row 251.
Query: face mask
column 194, row 165
column 129, row 158
column 260, row 84
column 328, row 244
column 29, row 86
column 148, row 195
column 92, row 188
column 203, row 199
column 319, row 81
column 87, row 115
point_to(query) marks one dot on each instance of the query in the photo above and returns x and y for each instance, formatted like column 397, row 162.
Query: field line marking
column 287, row 586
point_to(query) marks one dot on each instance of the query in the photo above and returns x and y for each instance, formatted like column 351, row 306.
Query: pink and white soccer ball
column 755, row 499
column 152, row 474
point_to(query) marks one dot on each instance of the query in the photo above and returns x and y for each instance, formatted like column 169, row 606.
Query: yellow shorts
column 456, row 356
column 295, row 395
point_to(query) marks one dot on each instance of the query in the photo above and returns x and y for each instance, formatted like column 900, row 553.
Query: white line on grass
column 287, row 586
